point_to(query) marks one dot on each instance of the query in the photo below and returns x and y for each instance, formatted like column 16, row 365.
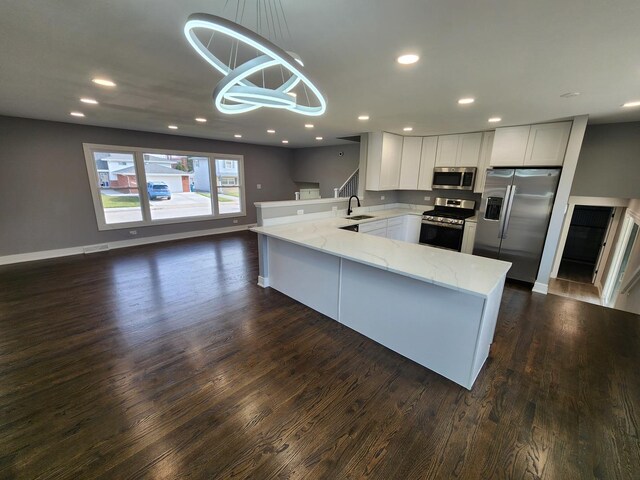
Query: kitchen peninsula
column 436, row 307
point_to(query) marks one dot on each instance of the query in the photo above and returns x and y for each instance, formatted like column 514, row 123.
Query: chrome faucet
column 350, row 210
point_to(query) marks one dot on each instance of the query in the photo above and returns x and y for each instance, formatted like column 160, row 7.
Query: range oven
column 454, row 178
column 441, row 234
column 443, row 227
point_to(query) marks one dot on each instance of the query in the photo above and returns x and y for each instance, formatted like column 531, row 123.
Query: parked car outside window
column 158, row 190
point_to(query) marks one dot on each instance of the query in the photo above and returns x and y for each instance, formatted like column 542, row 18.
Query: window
column 228, row 183
column 137, row 186
column 177, row 186
column 117, row 186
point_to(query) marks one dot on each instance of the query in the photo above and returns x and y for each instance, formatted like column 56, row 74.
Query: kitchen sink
column 359, row 217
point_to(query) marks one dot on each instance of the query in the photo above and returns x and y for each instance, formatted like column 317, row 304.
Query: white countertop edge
column 293, row 203
column 483, row 294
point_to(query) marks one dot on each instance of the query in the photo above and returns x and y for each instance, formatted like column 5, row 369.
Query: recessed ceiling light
column 466, row 101
column 408, row 129
column 495, row 119
column 285, row 141
column 318, row 138
column 293, row 94
column 201, row 119
column 172, row 127
column 77, row 114
column 90, row 101
column 308, row 125
column 271, row 131
column 570, row 94
column 635, row 103
column 363, row 117
column 408, row 59
column 103, row 82
column 237, row 135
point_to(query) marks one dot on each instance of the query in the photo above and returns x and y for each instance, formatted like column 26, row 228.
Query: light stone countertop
column 459, row 271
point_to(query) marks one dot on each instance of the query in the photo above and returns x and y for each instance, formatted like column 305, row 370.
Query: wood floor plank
column 168, row 361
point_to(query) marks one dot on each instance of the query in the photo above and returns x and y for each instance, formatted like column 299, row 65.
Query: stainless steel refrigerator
column 514, row 217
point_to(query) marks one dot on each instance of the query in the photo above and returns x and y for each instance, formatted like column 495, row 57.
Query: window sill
column 169, row 221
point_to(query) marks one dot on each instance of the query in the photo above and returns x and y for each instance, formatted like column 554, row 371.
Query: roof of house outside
column 153, row 169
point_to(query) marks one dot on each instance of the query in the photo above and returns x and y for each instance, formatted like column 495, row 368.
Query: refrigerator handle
column 503, row 213
column 507, row 214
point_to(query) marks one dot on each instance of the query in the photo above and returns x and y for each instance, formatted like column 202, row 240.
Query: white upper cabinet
column 384, row 157
column 410, row 164
column 542, row 145
column 447, row 153
column 483, row 163
column 391, row 158
column 469, row 150
column 547, row 144
column 427, row 162
column 458, row 150
column 510, row 146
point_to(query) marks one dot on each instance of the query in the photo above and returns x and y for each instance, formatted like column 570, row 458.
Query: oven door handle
column 443, row 225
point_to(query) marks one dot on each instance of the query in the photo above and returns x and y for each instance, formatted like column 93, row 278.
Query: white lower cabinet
column 468, row 237
column 371, row 226
column 396, row 232
column 405, row 228
column 412, row 228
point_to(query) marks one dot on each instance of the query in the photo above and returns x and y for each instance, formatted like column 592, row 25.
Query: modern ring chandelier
column 257, row 72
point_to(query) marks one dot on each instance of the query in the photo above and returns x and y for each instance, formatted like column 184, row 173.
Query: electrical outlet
column 259, row 186
column 235, row 220
column 427, row 198
column 334, row 209
column 381, row 197
column 133, row 232
column 300, row 212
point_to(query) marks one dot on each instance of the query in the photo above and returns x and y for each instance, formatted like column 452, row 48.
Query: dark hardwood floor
column 167, row 361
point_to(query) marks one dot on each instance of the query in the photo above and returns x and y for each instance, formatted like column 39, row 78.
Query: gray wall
column 609, row 162
column 44, row 189
column 325, row 166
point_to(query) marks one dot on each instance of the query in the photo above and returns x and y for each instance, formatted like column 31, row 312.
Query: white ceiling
column 516, row 57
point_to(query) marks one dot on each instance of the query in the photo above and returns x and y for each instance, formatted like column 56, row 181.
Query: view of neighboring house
column 116, row 171
column 226, row 174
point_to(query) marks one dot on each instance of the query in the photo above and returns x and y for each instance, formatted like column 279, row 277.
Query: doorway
column 585, row 243
column 583, row 253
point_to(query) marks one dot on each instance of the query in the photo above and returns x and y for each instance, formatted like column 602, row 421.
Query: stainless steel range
column 443, row 227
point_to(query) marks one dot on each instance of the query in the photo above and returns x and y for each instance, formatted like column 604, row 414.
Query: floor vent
column 96, row 248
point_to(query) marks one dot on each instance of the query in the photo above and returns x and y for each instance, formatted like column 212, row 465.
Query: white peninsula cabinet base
column 447, row 330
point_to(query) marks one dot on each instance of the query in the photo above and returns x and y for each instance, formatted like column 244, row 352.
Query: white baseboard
column 263, row 281
column 101, row 247
column 540, row 287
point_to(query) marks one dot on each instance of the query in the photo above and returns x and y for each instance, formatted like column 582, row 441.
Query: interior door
column 525, row 228
column 602, row 245
column 491, row 214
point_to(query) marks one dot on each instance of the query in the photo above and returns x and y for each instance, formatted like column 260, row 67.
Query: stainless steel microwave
column 454, row 178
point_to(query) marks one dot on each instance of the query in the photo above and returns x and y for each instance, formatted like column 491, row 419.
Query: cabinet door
column 396, row 232
column 509, row 146
column 373, row 143
column 380, row 232
column 469, row 150
column 447, row 153
column 412, row 228
column 410, row 164
column 468, row 237
column 483, row 164
column 427, row 162
column 547, row 144
column 370, row 226
column 390, row 162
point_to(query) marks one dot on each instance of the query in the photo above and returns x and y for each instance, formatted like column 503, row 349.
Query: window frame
column 145, row 207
